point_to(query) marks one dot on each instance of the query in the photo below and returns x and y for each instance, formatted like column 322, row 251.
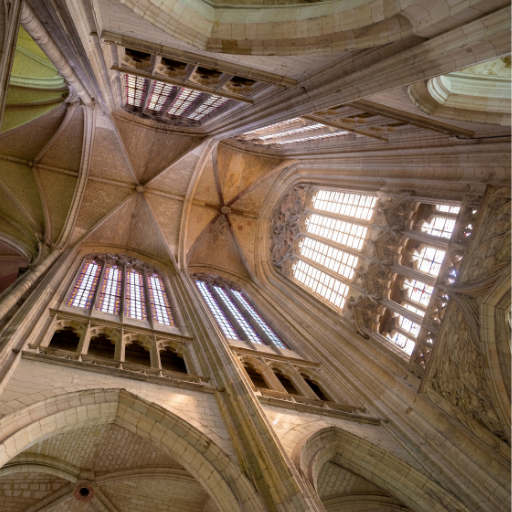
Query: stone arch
column 496, row 348
column 380, row 467
column 201, row 457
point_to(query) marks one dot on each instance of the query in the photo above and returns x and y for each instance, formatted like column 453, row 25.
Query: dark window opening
column 172, row 361
column 138, row 56
column 137, row 354
column 101, row 346
column 66, row 339
column 256, row 377
column 316, row 389
column 286, row 383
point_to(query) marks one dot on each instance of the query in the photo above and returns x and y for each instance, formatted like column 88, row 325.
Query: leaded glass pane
column 261, row 322
column 339, row 231
column 336, row 260
column 210, row 105
column 249, row 330
column 439, row 226
column 159, row 95
column 429, row 260
column 406, row 344
column 83, row 292
column 447, row 209
column 135, row 86
column 160, row 307
column 110, row 295
column 418, row 291
column 223, row 321
column 183, row 102
column 135, row 302
column 352, row 205
column 321, row 283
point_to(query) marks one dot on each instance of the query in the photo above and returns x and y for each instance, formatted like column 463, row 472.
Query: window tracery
column 119, row 285
column 235, row 314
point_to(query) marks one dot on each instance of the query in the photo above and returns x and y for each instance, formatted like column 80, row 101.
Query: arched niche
column 404, row 487
column 227, row 487
column 12, row 264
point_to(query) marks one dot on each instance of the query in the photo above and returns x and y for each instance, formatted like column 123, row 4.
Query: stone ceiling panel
column 116, row 228
column 136, row 452
column 99, row 199
column 23, row 490
column 226, row 255
column 165, row 495
column 199, row 218
column 254, row 198
column 245, row 232
column 108, row 160
column 66, row 151
column 152, row 150
column 206, row 189
column 144, row 234
column 176, row 179
column 12, row 211
column 73, row 505
column 168, row 214
column 20, row 181
column 238, row 170
column 28, row 140
column 58, row 190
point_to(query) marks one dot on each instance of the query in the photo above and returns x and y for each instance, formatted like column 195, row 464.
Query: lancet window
column 237, row 317
column 121, row 286
column 292, row 131
column 171, row 102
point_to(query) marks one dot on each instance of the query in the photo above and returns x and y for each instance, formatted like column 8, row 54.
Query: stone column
column 11, row 23
column 8, row 302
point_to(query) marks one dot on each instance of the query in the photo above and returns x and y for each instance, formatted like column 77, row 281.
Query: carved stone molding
column 398, row 210
column 215, row 280
column 285, row 225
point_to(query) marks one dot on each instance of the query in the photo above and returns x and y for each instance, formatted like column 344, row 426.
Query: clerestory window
column 237, row 317
column 327, row 253
column 122, row 287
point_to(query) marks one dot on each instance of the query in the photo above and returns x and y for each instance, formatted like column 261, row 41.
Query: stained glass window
column 339, row 231
column 210, row 105
column 321, row 283
column 429, row 260
column 261, row 322
column 160, row 307
column 249, row 330
column 352, row 205
column 418, row 291
column 110, row 295
column 414, row 309
column 183, row 102
column 159, row 95
column 406, row 344
column 439, row 226
column 85, row 286
column 223, row 321
column 447, row 209
column 135, row 303
column 135, row 86
column 338, row 261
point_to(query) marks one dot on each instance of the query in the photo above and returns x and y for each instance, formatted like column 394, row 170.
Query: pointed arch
column 380, row 467
column 200, row 456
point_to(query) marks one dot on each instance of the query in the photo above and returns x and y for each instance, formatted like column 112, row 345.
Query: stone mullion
column 147, row 94
column 333, row 274
column 397, row 308
column 411, row 273
column 122, row 301
column 85, row 339
column 147, row 300
column 154, row 353
column 98, row 287
column 170, row 100
column 426, row 239
column 270, row 376
column 301, row 383
column 336, row 245
column 252, row 321
column 338, row 216
column 196, row 104
column 231, row 317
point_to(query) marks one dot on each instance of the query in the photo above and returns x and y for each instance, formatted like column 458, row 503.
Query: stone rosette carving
column 285, row 225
